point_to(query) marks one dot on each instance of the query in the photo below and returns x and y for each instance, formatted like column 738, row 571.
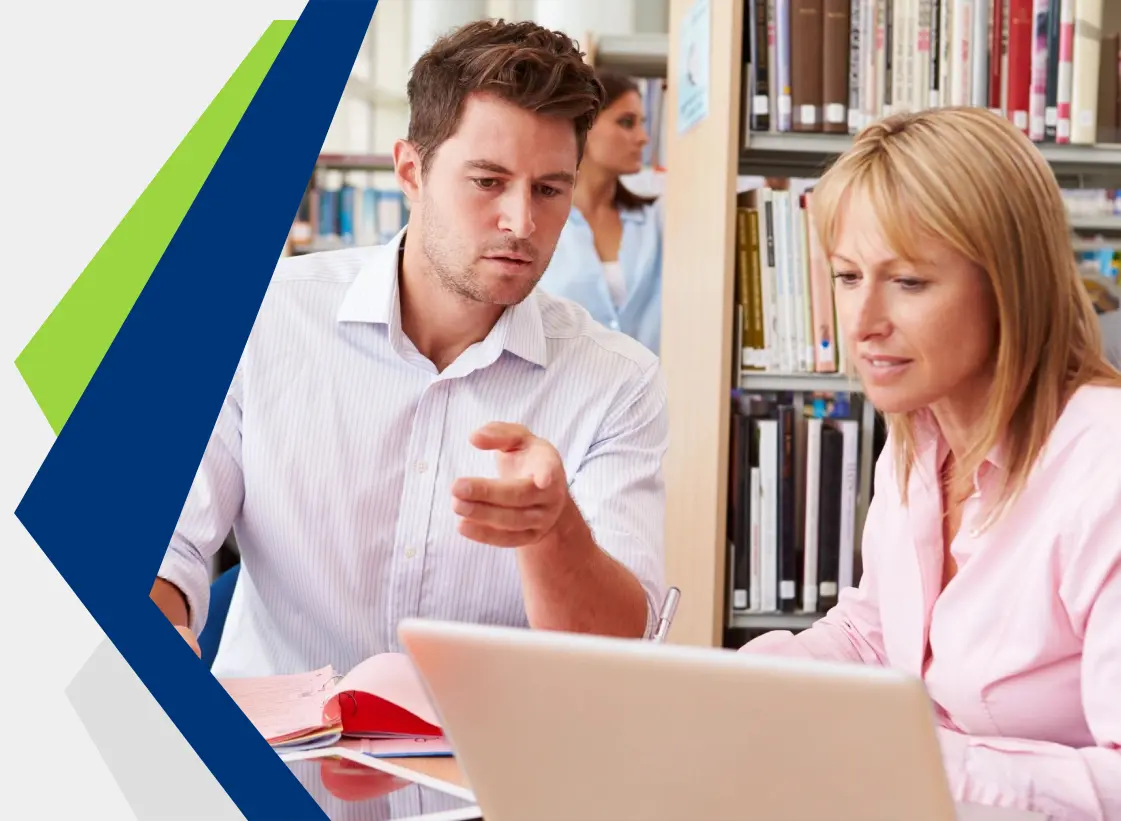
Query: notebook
column 380, row 702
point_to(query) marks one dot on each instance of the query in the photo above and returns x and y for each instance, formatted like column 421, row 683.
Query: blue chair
column 221, row 591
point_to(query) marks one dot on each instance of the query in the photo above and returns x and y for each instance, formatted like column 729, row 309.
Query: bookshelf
column 639, row 55
column 351, row 199
column 700, row 316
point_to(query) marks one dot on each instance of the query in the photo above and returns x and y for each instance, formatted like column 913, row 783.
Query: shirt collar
column 929, row 443
column 374, row 298
column 635, row 215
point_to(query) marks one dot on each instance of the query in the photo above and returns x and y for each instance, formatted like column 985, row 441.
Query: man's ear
column 406, row 165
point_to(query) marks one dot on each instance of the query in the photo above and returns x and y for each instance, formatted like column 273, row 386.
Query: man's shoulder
column 337, row 267
column 576, row 338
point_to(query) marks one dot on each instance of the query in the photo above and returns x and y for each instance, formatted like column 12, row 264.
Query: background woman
column 609, row 257
column 992, row 548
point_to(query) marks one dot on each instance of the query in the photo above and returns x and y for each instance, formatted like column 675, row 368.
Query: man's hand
column 525, row 503
column 189, row 637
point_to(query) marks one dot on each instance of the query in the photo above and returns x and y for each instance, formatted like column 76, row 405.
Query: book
column 381, row 700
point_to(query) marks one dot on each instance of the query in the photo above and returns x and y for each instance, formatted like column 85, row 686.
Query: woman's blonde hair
column 971, row 179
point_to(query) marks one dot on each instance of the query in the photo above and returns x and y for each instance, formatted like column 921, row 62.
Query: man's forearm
column 570, row 584
column 171, row 602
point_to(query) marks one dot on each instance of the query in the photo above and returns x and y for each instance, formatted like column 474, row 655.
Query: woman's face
column 616, row 140
column 921, row 334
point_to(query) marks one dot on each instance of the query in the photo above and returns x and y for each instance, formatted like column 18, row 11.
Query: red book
column 996, row 49
column 1019, row 62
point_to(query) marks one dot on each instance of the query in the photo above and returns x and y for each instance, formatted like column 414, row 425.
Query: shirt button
column 614, row 325
column 421, row 467
column 410, row 553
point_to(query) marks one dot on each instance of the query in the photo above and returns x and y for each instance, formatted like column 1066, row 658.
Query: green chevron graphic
column 62, row 357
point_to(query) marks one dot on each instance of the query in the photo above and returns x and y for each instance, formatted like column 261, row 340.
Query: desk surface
column 447, row 769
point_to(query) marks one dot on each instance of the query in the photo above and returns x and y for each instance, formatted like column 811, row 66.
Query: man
column 413, row 430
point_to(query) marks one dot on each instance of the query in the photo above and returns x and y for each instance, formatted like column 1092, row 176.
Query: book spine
column 996, row 63
column 1038, row 100
column 856, row 66
column 1086, row 68
column 1020, row 55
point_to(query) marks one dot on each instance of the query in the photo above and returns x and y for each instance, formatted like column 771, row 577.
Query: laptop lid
column 550, row 725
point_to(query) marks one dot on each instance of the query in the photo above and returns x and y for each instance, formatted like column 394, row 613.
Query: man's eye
column 485, row 183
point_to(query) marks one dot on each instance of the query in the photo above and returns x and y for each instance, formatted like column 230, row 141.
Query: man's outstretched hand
column 524, row 505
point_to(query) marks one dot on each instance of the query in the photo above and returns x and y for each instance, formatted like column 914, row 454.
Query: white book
column 979, row 52
column 850, row 461
column 961, row 56
column 1085, row 72
column 755, row 540
column 768, row 507
column 813, row 496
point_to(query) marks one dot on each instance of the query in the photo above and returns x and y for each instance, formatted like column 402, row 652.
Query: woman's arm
column 1082, row 784
column 850, row 631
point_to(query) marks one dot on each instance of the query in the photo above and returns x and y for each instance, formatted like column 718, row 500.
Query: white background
column 95, row 96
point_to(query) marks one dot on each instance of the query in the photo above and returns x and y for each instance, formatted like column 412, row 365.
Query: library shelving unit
column 355, row 162
column 639, row 55
column 699, row 315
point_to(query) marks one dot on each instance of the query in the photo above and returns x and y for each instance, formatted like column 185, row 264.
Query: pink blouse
column 1025, row 641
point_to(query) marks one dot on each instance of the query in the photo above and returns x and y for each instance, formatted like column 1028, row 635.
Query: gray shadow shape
column 159, row 773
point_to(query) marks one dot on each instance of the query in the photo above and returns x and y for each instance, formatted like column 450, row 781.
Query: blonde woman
column 992, row 548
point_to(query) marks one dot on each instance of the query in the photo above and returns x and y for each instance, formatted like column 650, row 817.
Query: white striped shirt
column 335, row 450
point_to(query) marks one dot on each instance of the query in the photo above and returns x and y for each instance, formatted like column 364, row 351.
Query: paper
column 283, row 708
column 381, row 698
column 392, row 677
column 693, row 69
column 398, row 747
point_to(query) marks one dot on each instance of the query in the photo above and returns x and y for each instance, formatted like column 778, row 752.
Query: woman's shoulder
column 1091, row 421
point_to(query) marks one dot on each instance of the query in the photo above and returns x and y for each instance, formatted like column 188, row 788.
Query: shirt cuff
column 652, row 613
column 192, row 579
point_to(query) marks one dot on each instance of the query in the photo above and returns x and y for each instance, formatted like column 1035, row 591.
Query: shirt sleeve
column 620, row 489
column 1074, row 784
column 851, row 630
column 208, row 514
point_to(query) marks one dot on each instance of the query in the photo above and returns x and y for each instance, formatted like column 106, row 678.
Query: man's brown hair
column 522, row 63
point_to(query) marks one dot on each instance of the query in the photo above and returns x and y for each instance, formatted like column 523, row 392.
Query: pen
column 669, row 607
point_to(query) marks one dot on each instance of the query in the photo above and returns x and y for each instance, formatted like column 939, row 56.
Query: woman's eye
column 908, row 284
column 846, row 277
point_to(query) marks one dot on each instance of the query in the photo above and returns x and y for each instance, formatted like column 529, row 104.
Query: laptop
column 551, row 726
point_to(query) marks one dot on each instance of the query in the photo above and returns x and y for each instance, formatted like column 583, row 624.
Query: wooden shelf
column 809, row 155
column 639, row 55
column 809, row 382
column 355, row 162
column 772, row 621
column 1104, row 224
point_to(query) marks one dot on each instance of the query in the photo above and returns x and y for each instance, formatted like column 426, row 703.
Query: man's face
column 495, row 199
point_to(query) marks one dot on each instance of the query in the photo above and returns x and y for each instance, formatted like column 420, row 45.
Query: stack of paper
column 381, row 702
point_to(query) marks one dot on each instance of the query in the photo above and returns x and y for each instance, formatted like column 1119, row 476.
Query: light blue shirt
column 335, row 450
column 577, row 273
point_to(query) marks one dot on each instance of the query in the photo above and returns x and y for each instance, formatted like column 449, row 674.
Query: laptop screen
column 348, row 791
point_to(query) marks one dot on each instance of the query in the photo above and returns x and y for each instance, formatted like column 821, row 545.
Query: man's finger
column 499, row 492
column 498, row 538
column 502, row 518
column 504, row 436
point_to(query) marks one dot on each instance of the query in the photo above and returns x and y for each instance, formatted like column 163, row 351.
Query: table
column 447, row 769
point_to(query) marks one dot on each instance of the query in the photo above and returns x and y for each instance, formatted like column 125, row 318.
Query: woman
column 992, row 547
column 609, row 256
